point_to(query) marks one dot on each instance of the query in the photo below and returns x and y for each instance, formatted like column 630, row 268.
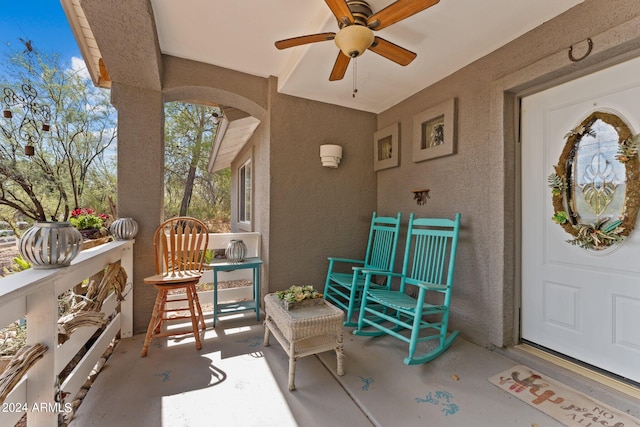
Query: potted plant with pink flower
column 89, row 222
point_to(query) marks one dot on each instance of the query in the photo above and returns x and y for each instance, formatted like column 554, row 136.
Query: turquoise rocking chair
column 427, row 270
column 343, row 288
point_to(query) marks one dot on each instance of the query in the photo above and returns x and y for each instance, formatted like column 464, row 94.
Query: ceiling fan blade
column 341, row 11
column 297, row 41
column 397, row 11
column 340, row 67
column 392, row 51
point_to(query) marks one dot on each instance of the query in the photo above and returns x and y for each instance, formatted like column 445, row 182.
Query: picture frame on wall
column 385, row 147
column 434, row 131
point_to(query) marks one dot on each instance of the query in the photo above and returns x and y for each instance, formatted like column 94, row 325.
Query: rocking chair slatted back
column 343, row 286
column 431, row 247
column 382, row 252
column 428, row 265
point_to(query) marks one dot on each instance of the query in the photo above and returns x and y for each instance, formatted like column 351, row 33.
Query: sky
column 41, row 21
column 45, row 24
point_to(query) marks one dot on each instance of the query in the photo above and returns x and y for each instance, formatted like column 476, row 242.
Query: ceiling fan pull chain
column 355, row 77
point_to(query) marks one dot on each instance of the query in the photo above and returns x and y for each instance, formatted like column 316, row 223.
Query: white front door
column 581, row 303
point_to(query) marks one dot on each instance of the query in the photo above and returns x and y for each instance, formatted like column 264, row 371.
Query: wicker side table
column 304, row 331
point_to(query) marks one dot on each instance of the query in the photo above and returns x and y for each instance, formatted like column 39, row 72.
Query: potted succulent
column 299, row 296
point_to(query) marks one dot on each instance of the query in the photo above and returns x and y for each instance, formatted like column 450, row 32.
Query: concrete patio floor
column 235, row 381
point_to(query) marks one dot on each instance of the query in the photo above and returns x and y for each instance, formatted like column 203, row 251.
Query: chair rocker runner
column 428, row 268
column 343, row 288
column 180, row 245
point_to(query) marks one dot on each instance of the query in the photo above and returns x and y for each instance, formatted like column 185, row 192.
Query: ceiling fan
column 357, row 22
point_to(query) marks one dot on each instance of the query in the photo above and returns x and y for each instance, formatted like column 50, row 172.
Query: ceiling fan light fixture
column 353, row 40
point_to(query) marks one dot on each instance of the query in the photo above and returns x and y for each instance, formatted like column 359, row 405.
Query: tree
column 189, row 134
column 49, row 184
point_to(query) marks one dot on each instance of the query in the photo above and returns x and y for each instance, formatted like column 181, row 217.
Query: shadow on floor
column 235, row 381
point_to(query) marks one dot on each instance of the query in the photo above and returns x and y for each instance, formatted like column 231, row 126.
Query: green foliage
column 86, row 219
column 599, row 235
column 628, row 149
column 189, row 188
column 298, row 293
column 74, row 164
column 209, row 256
column 22, row 263
column 557, row 184
column 60, row 175
column 560, row 217
column 19, row 264
column 86, row 222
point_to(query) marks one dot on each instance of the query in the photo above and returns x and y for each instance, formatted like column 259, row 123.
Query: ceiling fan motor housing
column 360, row 11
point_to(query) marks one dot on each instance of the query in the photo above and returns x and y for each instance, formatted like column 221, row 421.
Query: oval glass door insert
column 596, row 184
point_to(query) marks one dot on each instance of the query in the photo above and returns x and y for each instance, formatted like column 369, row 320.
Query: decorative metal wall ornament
column 35, row 117
column 596, row 184
column 421, row 196
column 589, row 49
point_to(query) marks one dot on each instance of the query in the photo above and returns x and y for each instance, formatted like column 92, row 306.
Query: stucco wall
column 140, row 183
column 316, row 212
column 480, row 179
column 307, row 212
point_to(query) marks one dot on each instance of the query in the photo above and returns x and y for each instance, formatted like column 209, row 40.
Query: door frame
column 516, row 112
column 584, row 369
column 505, row 94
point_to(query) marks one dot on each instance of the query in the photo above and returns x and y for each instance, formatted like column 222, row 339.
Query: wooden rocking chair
column 180, row 244
column 428, row 268
column 344, row 289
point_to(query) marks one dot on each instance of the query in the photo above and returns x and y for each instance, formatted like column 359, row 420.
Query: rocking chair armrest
column 380, row 273
column 433, row 287
column 346, row 260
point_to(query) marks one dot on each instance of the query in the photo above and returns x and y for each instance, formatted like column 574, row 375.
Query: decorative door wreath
column 596, row 184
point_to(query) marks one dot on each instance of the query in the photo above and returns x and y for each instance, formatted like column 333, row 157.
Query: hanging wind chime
column 35, row 117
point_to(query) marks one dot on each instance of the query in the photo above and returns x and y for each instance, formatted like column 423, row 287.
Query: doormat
column 568, row 406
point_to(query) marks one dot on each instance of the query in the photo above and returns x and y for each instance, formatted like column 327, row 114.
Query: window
column 244, row 194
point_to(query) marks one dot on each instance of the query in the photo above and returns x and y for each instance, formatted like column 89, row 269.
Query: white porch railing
column 218, row 242
column 34, row 294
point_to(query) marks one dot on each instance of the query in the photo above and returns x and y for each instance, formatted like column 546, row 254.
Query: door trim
column 612, row 45
column 627, row 388
column 623, row 385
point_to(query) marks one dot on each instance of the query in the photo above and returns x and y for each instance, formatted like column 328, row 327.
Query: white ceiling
column 240, row 35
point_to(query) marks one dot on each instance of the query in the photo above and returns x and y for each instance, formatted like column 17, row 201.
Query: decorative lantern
column 236, row 250
column 124, row 229
column 50, row 244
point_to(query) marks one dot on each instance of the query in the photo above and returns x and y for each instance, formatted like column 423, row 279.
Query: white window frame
column 245, row 196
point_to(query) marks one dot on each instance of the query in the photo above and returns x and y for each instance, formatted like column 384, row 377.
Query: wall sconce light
column 421, row 196
column 330, row 155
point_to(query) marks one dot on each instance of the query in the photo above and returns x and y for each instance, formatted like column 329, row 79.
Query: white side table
column 304, row 331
